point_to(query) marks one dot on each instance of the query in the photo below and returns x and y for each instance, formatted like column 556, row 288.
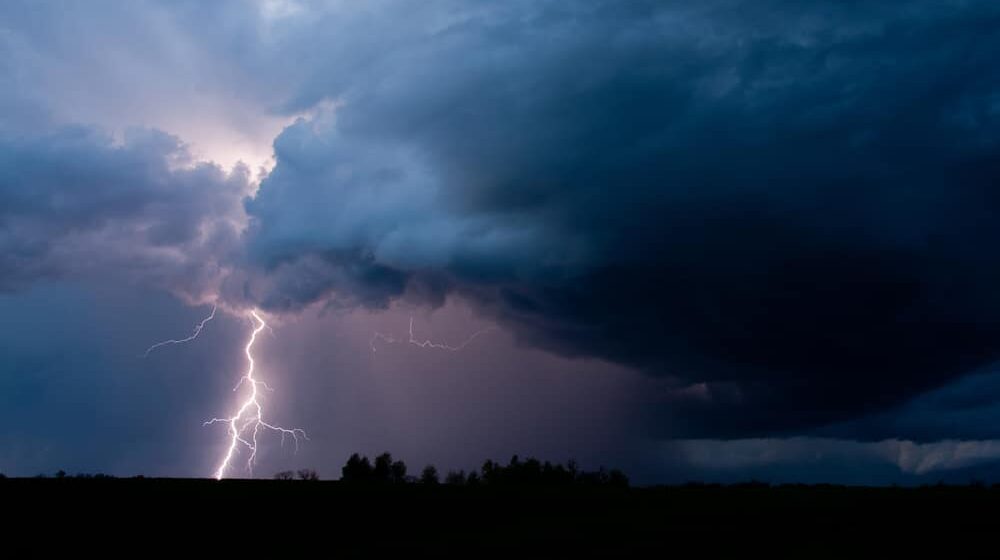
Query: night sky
column 713, row 240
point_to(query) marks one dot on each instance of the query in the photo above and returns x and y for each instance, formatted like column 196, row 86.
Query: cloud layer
column 791, row 207
column 74, row 202
column 785, row 212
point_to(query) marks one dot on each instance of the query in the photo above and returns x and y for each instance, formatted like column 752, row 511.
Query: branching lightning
column 246, row 424
column 424, row 343
column 248, row 421
column 194, row 335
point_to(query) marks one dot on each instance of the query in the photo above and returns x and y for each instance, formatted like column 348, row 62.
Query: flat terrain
column 801, row 521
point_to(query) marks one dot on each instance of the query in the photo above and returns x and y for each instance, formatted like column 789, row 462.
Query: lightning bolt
column 194, row 335
column 248, row 421
column 425, row 343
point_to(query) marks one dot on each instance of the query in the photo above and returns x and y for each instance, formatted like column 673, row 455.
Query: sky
column 713, row 240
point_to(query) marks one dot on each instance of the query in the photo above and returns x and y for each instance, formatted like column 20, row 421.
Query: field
column 802, row 521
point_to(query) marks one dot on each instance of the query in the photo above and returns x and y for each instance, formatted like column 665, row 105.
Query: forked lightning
column 424, row 343
column 245, row 425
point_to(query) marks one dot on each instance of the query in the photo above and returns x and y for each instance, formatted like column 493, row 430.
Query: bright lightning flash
column 425, row 343
column 248, row 421
column 194, row 335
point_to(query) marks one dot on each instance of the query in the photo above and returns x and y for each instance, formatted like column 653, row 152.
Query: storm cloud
column 75, row 202
column 784, row 214
column 792, row 208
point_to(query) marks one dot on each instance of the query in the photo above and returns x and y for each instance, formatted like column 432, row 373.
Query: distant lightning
column 194, row 335
column 246, row 424
column 425, row 343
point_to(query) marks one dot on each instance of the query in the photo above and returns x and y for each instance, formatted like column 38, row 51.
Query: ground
column 344, row 520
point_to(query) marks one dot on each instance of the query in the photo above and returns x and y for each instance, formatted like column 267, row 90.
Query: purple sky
column 719, row 241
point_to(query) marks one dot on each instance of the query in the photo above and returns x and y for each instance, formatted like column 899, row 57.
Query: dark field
column 802, row 521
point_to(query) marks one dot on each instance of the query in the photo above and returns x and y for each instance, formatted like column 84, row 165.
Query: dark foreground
column 346, row 520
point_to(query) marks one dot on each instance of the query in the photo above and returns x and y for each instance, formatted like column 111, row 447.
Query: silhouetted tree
column 429, row 475
column 383, row 468
column 533, row 472
column 308, row 474
column 491, row 472
column 517, row 472
column 596, row 478
column 455, row 478
column 284, row 475
column 398, row 472
column 357, row 469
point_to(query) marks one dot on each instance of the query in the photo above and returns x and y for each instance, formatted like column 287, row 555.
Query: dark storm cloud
column 75, row 202
column 968, row 406
column 792, row 205
column 785, row 212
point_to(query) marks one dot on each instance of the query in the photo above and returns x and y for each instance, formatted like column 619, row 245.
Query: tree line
column 529, row 472
column 385, row 470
